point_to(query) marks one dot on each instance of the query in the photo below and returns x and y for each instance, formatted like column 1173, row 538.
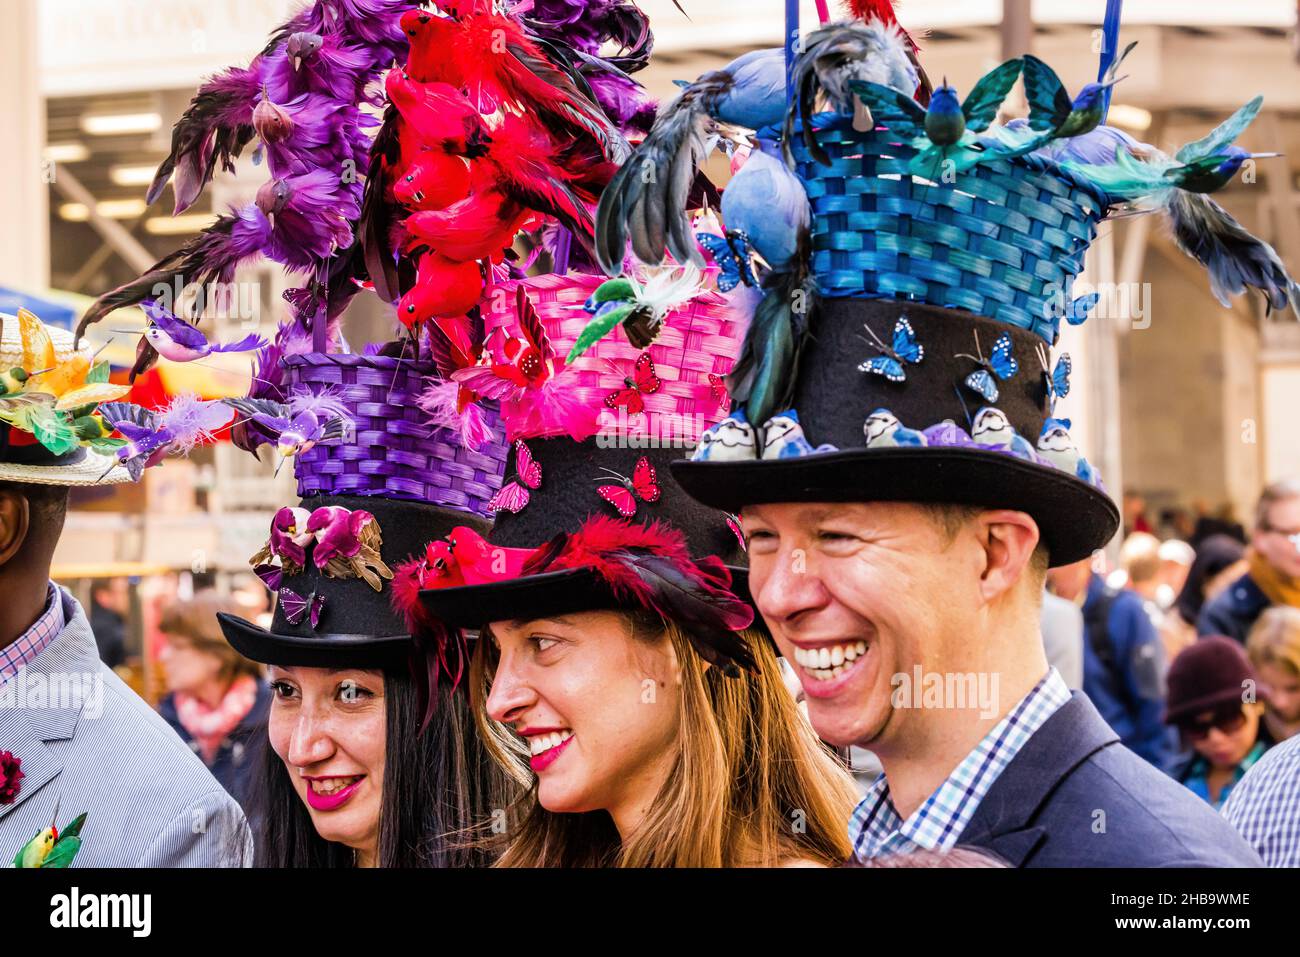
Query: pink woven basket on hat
column 701, row 338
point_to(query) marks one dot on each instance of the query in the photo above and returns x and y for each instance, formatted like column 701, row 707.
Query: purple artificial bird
column 150, row 435
column 177, row 340
column 298, row 222
column 347, row 544
column 218, row 124
column 296, row 426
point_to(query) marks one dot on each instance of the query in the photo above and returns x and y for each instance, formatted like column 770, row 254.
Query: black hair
column 1213, row 555
column 438, row 785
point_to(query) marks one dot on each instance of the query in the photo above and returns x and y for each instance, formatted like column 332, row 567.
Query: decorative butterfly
column 514, row 495
column 733, row 523
column 641, row 383
column 718, row 384
column 1058, row 379
column 270, row 575
column 732, row 255
column 295, row 606
column 1077, row 312
column 643, row 485
column 1000, row 363
column 890, row 362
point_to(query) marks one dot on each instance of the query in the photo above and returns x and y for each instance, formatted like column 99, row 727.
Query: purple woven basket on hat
column 394, row 452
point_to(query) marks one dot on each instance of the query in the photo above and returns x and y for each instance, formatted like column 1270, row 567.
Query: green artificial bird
column 34, row 412
column 1128, row 170
column 52, row 847
column 639, row 307
column 944, row 133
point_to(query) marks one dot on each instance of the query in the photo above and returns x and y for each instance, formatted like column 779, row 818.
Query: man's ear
column 15, row 522
column 1009, row 539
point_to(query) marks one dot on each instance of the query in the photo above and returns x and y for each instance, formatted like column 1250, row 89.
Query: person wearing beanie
column 1213, row 703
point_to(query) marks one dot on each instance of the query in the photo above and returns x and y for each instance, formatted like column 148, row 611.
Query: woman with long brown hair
column 620, row 678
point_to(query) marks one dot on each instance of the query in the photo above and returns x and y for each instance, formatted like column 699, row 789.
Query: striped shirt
column 875, row 829
column 35, row 640
column 1264, row 807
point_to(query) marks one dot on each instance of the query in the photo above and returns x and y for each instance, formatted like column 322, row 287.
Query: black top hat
column 324, row 560
column 899, row 401
column 602, row 502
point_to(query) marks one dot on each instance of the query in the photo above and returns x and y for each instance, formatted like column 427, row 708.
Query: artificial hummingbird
column 52, row 847
column 177, row 340
column 1052, row 111
column 639, row 307
column 945, row 131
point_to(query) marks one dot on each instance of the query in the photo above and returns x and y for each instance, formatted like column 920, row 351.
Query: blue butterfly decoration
column 1000, row 363
column 1077, row 312
column 890, row 362
column 731, row 253
column 1058, row 381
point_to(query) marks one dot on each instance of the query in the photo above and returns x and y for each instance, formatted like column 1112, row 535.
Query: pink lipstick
column 336, row 799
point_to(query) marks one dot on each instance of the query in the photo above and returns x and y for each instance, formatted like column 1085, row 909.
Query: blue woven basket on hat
column 1005, row 240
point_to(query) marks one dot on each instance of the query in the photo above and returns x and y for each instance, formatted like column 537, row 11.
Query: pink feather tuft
column 408, row 579
column 440, row 402
column 555, row 408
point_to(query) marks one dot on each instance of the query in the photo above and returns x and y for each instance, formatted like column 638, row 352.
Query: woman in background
column 216, row 700
column 1213, row 701
column 1274, row 650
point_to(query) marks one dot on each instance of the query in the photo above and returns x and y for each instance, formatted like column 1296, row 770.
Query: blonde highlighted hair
column 1275, row 639
column 750, row 786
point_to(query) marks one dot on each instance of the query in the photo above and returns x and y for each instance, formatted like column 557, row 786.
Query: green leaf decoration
column 98, row 372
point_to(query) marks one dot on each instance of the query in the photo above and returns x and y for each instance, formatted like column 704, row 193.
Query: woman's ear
column 15, row 522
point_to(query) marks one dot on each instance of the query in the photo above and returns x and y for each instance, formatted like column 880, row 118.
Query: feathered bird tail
column 762, row 380
column 1233, row 257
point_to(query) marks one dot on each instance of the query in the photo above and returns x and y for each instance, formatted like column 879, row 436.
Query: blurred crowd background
column 1185, row 405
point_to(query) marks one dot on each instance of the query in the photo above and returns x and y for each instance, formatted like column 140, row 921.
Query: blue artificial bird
column 1051, row 110
column 945, row 132
column 767, row 202
column 648, row 196
column 177, row 340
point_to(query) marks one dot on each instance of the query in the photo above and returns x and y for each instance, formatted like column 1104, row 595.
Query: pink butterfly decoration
column 643, row 485
column 514, row 495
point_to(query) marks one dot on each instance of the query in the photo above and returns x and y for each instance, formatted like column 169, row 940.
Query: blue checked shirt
column 875, row 829
column 1264, row 807
column 35, row 640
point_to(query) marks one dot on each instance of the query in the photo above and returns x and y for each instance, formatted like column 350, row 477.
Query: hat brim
column 1074, row 518
column 92, row 469
column 325, row 651
column 531, row 597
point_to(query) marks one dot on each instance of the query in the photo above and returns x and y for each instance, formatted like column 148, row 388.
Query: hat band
column 21, row 448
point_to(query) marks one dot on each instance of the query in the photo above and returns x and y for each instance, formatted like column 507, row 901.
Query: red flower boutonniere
column 10, row 774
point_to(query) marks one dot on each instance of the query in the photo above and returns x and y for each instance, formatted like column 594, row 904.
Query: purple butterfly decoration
column 295, row 606
column 270, row 575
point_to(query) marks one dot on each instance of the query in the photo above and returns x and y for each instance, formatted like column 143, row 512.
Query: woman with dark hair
column 419, row 788
column 370, row 760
